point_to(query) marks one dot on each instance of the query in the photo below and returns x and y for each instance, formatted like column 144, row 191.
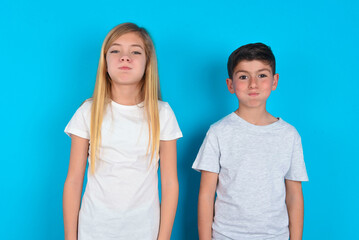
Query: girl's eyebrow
column 132, row 45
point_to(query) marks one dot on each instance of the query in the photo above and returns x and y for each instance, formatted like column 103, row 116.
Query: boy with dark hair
column 252, row 160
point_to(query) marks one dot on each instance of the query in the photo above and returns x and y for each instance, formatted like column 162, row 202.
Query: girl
column 123, row 130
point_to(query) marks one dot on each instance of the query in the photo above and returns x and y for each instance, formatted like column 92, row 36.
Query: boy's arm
column 295, row 206
column 206, row 204
column 169, row 187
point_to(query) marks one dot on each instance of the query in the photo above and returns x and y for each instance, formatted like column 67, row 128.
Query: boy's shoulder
column 288, row 128
column 226, row 122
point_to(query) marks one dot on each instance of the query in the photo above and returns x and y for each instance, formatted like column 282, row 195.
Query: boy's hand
column 206, row 204
column 295, row 206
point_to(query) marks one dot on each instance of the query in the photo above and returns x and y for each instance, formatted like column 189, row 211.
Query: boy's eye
column 243, row 77
column 262, row 75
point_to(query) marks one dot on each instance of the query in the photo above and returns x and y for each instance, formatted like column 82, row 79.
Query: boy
column 252, row 160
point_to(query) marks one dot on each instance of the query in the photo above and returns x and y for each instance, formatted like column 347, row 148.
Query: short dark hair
column 249, row 52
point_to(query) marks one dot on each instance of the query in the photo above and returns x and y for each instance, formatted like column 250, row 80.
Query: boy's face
column 252, row 82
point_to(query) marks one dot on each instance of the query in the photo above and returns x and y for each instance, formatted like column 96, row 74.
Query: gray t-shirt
column 252, row 163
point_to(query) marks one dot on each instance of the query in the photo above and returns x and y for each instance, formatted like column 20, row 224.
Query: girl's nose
column 125, row 58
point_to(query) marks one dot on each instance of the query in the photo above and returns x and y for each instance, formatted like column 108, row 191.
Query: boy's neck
column 255, row 116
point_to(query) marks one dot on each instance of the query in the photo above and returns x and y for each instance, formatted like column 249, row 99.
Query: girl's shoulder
column 163, row 105
column 87, row 104
column 168, row 122
column 85, row 107
column 164, row 108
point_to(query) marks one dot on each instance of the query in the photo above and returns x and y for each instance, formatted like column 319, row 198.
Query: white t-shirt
column 252, row 163
column 121, row 199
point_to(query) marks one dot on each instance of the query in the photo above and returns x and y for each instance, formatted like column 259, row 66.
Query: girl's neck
column 259, row 117
column 126, row 94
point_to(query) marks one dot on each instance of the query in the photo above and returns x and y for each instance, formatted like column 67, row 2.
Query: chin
column 124, row 81
column 254, row 105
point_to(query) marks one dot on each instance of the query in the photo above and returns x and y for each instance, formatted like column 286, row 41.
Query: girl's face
column 126, row 60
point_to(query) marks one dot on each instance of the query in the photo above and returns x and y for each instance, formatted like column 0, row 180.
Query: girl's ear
column 275, row 81
column 230, row 85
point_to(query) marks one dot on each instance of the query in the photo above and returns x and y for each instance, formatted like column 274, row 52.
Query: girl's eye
column 243, row 77
column 136, row 52
column 262, row 75
column 114, row 51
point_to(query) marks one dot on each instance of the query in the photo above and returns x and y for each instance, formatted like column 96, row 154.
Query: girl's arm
column 73, row 185
column 169, row 187
column 295, row 206
column 206, row 197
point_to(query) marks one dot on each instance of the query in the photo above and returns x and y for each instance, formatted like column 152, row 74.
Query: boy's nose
column 253, row 83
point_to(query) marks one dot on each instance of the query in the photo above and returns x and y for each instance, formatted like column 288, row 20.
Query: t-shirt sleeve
column 297, row 170
column 209, row 154
column 169, row 129
column 80, row 122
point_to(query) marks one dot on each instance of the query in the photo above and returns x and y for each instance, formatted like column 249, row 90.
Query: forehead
column 252, row 66
column 129, row 39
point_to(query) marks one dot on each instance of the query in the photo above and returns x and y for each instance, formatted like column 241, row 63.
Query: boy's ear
column 275, row 81
column 230, row 85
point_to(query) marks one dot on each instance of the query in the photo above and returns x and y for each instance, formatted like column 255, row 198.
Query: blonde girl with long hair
column 125, row 132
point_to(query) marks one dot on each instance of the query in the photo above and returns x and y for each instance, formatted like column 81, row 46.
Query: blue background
column 49, row 56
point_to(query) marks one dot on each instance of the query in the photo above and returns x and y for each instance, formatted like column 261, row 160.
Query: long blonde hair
column 150, row 91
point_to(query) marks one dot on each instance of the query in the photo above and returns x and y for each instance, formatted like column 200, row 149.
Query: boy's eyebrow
column 240, row 71
column 132, row 45
column 264, row 69
column 260, row 70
